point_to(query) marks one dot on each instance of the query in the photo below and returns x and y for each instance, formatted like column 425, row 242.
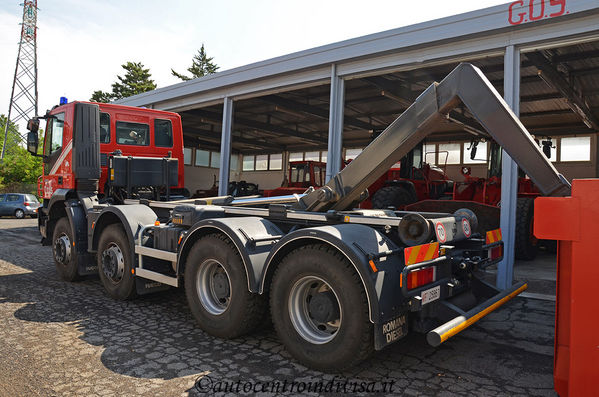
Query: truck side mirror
column 32, row 142
column 473, row 147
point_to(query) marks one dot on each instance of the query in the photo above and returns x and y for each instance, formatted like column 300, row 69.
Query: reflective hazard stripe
column 493, row 236
column 421, row 253
column 65, row 151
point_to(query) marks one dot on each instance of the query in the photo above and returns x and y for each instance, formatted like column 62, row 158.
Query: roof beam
column 259, row 126
column 216, row 136
column 313, row 110
column 549, row 73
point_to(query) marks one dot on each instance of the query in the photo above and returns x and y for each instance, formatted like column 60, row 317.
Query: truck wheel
column 217, row 292
column 526, row 243
column 65, row 257
column 320, row 310
column 392, row 196
column 114, row 263
column 19, row 214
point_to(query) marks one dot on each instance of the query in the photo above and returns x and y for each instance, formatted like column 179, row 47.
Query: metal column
column 225, row 147
column 509, row 172
column 336, row 106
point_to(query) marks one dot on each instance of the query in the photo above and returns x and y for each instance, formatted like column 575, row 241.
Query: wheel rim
column 316, row 322
column 113, row 263
column 213, row 286
column 19, row 213
column 62, row 249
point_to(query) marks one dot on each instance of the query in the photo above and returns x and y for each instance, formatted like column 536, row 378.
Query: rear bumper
column 466, row 319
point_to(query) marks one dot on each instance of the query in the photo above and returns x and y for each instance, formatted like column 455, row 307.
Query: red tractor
column 302, row 175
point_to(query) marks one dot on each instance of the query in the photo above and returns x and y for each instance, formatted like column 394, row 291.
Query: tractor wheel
column 63, row 250
column 217, row 292
column 526, row 243
column 114, row 263
column 392, row 196
column 320, row 310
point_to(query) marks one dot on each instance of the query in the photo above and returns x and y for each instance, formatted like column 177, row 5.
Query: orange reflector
column 373, row 266
column 93, row 224
column 400, row 280
column 493, row 236
column 420, row 277
column 495, row 252
column 180, row 238
column 157, row 223
column 421, row 253
column 132, row 271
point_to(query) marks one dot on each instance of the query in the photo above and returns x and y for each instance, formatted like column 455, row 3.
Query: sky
column 83, row 43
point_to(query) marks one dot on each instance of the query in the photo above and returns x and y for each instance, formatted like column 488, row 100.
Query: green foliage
column 135, row 81
column 101, row 96
column 18, row 166
column 13, row 138
column 201, row 65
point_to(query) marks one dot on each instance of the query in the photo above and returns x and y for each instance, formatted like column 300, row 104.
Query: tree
column 18, row 167
column 201, row 65
column 13, row 138
column 135, row 81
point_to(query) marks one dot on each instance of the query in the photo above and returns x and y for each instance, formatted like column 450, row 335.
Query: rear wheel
column 65, row 257
column 320, row 310
column 19, row 213
column 392, row 196
column 114, row 263
column 526, row 243
column 217, row 292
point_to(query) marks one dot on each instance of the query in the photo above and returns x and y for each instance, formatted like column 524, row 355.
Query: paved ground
column 60, row 338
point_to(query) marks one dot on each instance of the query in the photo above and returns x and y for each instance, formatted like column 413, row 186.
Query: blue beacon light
column 63, row 100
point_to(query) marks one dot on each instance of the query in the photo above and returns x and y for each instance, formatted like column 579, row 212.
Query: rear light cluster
column 421, row 277
column 27, row 204
column 496, row 252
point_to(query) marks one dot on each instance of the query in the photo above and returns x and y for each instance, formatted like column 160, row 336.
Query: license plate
column 431, row 295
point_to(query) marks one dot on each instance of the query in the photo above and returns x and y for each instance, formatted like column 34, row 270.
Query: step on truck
column 339, row 282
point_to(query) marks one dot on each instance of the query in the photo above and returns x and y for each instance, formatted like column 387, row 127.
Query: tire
column 526, row 243
column 114, row 263
column 64, row 255
column 342, row 337
column 19, row 213
column 217, row 292
column 392, row 196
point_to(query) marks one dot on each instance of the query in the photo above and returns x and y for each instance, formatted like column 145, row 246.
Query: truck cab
column 132, row 131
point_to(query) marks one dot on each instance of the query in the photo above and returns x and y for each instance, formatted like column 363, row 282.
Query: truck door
column 56, row 151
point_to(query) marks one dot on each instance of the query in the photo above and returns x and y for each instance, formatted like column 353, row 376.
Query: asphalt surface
column 62, row 339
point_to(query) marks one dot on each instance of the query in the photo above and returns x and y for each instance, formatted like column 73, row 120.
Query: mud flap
column 86, row 264
column 145, row 286
column 390, row 331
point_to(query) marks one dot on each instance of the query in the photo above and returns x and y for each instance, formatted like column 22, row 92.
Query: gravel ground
column 59, row 338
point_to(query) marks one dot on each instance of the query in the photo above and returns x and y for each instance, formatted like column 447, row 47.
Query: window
column 449, row 153
column 312, row 156
column 276, row 162
column 55, row 126
column 323, row 156
column 351, row 154
column 202, row 158
column 2, row 198
column 31, row 198
column 234, row 165
column 187, row 156
column 296, row 156
column 215, row 160
column 248, row 163
column 575, row 149
column 128, row 133
column 104, row 128
column 163, row 133
column 13, row 198
column 481, row 153
column 553, row 157
column 319, row 174
column 430, row 153
column 262, row 162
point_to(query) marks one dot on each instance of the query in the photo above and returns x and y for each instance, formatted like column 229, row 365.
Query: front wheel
column 527, row 245
column 392, row 196
column 217, row 292
column 114, row 263
column 63, row 249
column 320, row 310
